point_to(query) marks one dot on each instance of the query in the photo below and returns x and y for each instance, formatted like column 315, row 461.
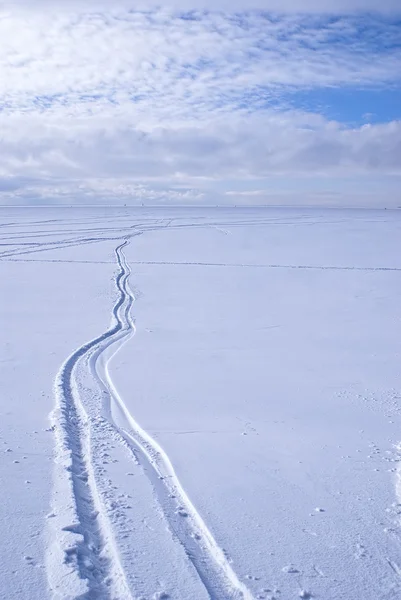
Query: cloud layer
column 294, row 6
column 161, row 104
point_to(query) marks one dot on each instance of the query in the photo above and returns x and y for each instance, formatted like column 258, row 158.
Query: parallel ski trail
column 92, row 550
column 77, row 507
column 209, row 560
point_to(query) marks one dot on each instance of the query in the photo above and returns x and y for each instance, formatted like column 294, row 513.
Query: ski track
column 144, row 225
column 80, row 530
column 90, row 550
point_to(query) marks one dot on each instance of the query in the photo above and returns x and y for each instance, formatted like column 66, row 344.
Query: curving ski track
column 81, row 535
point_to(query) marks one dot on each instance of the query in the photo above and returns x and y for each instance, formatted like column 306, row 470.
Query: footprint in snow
column 290, row 569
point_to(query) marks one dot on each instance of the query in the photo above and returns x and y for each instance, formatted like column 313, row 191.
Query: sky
column 201, row 102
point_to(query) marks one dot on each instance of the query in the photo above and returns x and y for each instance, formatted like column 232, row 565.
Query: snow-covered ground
column 200, row 403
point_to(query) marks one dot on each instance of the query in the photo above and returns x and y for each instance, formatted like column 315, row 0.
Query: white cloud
column 133, row 104
column 250, row 146
column 318, row 6
column 89, row 62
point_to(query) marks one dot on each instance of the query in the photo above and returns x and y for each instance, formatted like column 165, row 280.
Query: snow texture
column 200, row 403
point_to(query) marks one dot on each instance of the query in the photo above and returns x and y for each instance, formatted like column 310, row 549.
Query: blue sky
column 350, row 105
column 201, row 102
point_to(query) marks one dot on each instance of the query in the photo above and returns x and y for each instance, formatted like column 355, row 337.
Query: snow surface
column 200, row 403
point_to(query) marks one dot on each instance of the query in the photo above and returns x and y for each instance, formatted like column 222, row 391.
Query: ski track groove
column 57, row 245
column 96, row 556
column 93, row 554
column 208, row 264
